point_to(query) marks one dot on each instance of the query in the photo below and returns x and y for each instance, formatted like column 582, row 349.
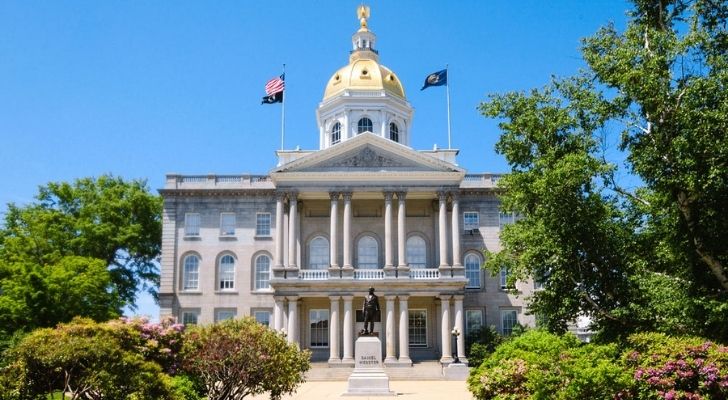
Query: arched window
column 416, row 252
column 336, row 133
column 472, row 270
column 318, row 253
column 226, row 272
column 191, row 273
column 393, row 132
column 364, row 125
column 262, row 272
column 367, row 253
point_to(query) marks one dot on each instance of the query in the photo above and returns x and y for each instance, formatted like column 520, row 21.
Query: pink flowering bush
column 159, row 342
column 676, row 368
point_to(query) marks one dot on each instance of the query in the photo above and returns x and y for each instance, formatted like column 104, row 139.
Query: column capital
column 442, row 195
column 346, row 196
column 401, row 196
column 279, row 298
column 388, row 196
column 402, row 297
column 445, row 297
column 347, row 297
column 280, row 195
column 455, row 196
column 292, row 196
column 390, row 297
column 293, row 298
column 334, row 298
column 334, row 196
column 458, row 297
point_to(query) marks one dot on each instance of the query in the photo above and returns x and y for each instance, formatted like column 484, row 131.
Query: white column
column 388, row 256
column 348, row 331
column 401, row 230
column 292, row 224
column 445, row 330
column 334, row 331
column 391, row 355
column 280, row 231
column 442, row 228
column 334, row 235
column 293, row 326
column 404, row 330
column 347, row 230
column 460, row 325
column 278, row 313
column 456, row 231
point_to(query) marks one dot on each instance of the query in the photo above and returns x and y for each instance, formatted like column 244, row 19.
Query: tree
column 602, row 250
column 84, row 360
column 78, row 228
column 236, row 358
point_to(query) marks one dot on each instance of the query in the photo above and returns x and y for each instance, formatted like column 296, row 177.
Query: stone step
column 423, row 371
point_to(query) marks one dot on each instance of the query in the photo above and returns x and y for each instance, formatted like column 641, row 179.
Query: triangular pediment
column 367, row 153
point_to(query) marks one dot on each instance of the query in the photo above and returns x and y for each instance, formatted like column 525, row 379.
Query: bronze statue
column 371, row 310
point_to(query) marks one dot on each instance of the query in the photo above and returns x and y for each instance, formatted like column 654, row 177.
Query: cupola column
column 402, row 234
column 334, row 233
column 347, row 231
column 388, row 256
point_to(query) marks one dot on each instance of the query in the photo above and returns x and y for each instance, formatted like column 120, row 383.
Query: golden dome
column 364, row 74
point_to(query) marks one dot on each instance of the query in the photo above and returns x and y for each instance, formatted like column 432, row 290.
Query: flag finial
column 362, row 12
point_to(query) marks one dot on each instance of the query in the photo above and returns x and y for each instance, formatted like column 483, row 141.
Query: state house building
column 298, row 248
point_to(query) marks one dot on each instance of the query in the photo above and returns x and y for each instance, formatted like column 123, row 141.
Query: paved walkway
column 415, row 390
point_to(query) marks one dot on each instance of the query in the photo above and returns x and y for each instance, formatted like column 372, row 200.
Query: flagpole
column 447, row 86
column 283, row 111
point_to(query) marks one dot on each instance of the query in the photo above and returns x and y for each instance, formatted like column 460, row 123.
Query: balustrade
column 313, row 275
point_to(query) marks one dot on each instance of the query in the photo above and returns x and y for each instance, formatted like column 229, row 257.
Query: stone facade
column 298, row 248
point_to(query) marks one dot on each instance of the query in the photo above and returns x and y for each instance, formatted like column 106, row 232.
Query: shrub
column 84, row 360
column 676, row 368
column 481, row 344
column 236, row 358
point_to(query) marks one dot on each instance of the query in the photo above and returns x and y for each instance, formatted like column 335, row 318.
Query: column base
column 390, row 271
column 291, row 273
column 347, row 272
column 403, row 271
column 445, row 271
column 334, row 362
column 446, row 360
column 401, row 363
column 334, row 272
column 390, row 360
column 279, row 272
column 458, row 271
column 348, row 362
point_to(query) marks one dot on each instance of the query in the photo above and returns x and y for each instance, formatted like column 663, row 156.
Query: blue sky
column 144, row 88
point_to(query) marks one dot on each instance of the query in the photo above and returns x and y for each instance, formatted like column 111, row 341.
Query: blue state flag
column 438, row 78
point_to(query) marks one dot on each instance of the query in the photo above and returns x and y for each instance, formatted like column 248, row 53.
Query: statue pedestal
column 368, row 378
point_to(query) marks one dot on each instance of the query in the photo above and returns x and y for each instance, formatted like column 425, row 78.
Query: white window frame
column 503, row 279
column 469, row 330
column 192, row 224
column 410, row 328
column 222, row 314
column 189, row 276
column 318, row 336
column 503, row 314
column 190, row 317
column 258, row 315
column 225, row 279
column 258, row 278
column 318, row 256
column 227, row 224
column 367, row 257
column 506, row 218
column 336, row 132
column 471, row 220
column 412, row 255
column 262, row 229
column 394, row 132
column 360, row 123
column 469, row 274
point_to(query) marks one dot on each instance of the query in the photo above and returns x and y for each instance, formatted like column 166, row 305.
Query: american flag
column 275, row 85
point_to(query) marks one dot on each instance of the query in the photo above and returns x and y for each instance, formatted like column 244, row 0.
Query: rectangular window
column 227, row 224
column 473, row 321
column 223, row 314
column 471, row 220
column 319, row 322
column 262, row 317
column 192, row 224
column 506, row 218
column 190, row 317
column 504, row 279
column 262, row 224
column 418, row 328
column 509, row 319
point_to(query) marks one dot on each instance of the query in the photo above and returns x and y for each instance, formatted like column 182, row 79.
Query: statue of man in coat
column 371, row 310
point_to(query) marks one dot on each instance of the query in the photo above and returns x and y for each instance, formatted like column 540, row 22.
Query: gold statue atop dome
column 362, row 12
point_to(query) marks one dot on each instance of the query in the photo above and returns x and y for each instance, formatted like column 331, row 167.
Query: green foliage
column 540, row 365
column 82, row 248
column 652, row 258
column 236, row 358
column 481, row 344
column 184, row 388
column 85, row 360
